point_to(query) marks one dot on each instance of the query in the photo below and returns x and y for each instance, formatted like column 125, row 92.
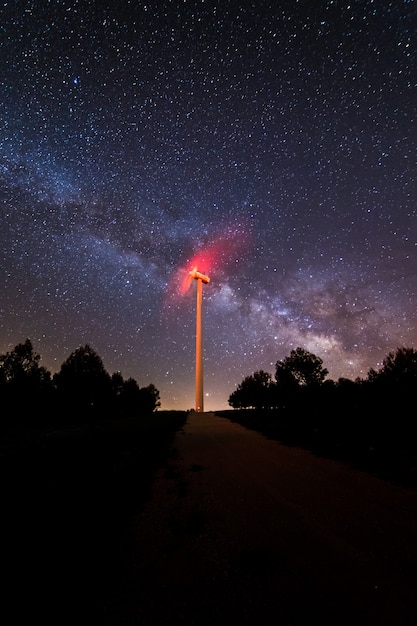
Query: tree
column 149, row 399
column 25, row 386
column 20, row 368
column 398, row 369
column 131, row 399
column 390, row 396
column 83, row 381
column 254, row 391
column 301, row 368
column 117, row 384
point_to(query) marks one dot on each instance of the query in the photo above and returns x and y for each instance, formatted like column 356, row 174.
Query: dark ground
column 243, row 530
column 389, row 452
column 124, row 524
column 67, row 499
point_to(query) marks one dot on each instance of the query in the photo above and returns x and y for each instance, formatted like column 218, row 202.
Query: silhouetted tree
column 25, row 386
column 398, row 369
column 131, row 396
column 130, row 399
column 390, row 400
column 302, row 368
column 149, row 399
column 83, row 383
column 370, row 422
column 298, row 377
column 21, row 367
column 117, row 383
column 255, row 391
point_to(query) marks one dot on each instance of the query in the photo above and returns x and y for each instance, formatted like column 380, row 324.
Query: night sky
column 272, row 144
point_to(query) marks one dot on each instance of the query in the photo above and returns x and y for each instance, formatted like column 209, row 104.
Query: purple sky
column 277, row 140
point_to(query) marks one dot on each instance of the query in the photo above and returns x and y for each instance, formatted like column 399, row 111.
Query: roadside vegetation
column 369, row 422
column 82, row 391
column 78, row 454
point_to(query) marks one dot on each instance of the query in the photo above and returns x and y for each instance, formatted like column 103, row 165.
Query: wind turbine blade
column 186, row 282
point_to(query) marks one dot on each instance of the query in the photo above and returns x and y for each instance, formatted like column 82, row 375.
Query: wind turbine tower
column 199, row 398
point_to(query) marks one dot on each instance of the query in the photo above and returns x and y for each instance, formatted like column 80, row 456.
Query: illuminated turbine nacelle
column 199, row 275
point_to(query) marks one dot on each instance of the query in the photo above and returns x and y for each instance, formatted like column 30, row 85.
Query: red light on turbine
column 199, row 275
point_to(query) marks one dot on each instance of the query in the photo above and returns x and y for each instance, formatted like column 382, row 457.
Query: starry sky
column 271, row 144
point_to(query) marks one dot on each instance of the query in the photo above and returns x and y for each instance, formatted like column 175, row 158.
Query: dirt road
column 243, row 530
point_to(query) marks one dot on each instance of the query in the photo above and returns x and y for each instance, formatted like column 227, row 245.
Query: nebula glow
column 229, row 246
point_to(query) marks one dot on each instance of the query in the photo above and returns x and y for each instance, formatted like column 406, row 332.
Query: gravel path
column 242, row 530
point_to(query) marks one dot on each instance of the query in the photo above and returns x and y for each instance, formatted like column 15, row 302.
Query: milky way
column 273, row 141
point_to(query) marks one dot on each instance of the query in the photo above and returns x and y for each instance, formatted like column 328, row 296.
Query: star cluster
column 273, row 142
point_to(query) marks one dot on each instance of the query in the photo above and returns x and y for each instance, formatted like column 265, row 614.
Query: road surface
column 243, row 530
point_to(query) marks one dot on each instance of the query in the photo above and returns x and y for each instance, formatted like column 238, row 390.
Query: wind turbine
column 199, row 398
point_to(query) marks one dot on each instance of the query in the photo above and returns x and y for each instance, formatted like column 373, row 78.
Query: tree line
column 299, row 371
column 370, row 420
column 80, row 391
column 302, row 372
